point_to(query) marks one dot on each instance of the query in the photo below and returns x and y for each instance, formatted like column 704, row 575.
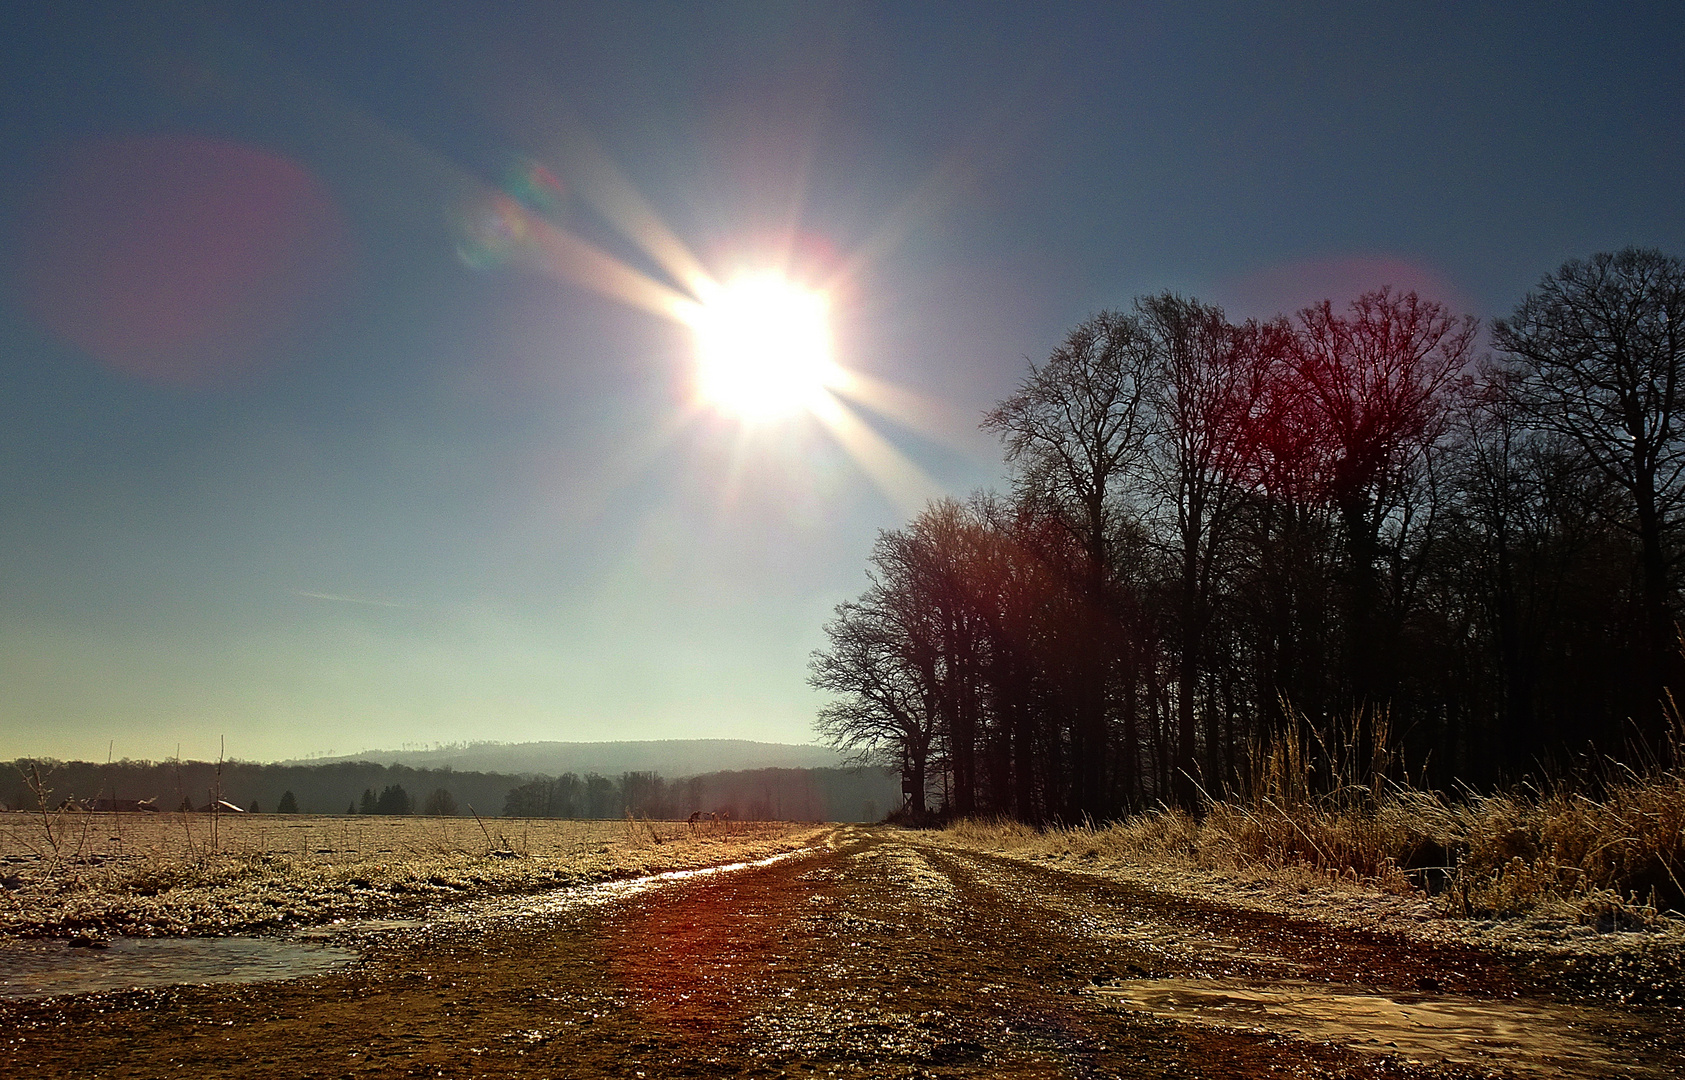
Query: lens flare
column 499, row 226
column 492, row 233
column 533, row 185
column 177, row 258
column 763, row 347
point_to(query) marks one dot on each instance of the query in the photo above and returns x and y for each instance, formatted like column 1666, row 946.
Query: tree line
column 1364, row 528
column 771, row 794
column 851, row 794
column 328, row 788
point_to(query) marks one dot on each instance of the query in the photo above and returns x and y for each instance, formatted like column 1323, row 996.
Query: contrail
column 349, row 599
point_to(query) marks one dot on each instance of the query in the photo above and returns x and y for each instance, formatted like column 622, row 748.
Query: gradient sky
column 298, row 449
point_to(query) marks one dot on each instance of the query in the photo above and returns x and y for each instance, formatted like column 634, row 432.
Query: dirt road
column 879, row 955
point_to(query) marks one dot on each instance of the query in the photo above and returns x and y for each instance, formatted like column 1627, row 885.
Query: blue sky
column 388, row 495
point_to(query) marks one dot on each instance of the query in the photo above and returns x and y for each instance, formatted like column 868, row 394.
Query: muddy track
column 880, row 956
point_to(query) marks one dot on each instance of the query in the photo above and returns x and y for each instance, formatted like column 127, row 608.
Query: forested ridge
column 1428, row 550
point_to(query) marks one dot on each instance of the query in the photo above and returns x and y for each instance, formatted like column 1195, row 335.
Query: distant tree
column 394, row 800
column 544, row 797
column 351, row 808
column 367, row 806
column 644, row 794
column 1601, row 349
column 531, row 799
column 440, row 804
column 601, row 799
column 288, row 803
column 566, row 795
column 254, row 808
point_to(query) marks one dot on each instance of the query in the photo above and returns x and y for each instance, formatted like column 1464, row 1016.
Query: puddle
column 1524, row 1037
column 47, row 968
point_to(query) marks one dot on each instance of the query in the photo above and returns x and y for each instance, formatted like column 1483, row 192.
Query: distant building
column 126, row 805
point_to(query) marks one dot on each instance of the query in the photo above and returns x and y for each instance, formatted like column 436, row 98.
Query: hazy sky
column 328, row 419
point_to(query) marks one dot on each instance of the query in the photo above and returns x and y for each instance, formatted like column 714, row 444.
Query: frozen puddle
column 574, row 897
column 518, row 908
column 1530, row 1038
column 46, row 968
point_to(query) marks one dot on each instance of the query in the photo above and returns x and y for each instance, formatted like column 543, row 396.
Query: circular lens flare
column 763, row 347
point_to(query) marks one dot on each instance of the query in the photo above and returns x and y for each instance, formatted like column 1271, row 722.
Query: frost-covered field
column 162, row 874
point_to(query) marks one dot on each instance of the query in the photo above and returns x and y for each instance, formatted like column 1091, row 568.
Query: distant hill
column 674, row 758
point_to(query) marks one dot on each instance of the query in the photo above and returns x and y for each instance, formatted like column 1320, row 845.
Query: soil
column 879, row 953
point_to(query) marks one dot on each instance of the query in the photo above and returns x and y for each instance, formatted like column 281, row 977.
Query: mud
column 880, row 955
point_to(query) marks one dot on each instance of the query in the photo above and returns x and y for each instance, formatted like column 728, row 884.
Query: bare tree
column 1077, row 432
column 885, row 713
column 933, row 565
column 1601, row 348
column 1077, row 428
column 891, row 659
column 1526, row 525
column 1379, row 383
column 1212, row 374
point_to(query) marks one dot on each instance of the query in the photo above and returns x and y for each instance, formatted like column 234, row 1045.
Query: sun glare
column 763, row 347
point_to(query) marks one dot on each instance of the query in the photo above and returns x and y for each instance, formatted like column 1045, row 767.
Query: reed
column 1606, row 846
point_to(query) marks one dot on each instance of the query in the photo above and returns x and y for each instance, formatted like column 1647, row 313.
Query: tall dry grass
column 1607, row 847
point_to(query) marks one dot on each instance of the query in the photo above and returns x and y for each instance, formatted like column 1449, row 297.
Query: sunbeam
column 610, row 194
column 897, row 476
column 566, row 256
column 936, row 420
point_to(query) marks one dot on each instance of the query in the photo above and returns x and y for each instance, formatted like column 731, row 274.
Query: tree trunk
column 1519, row 735
column 1187, row 686
column 914, row 772
column 1659, row 631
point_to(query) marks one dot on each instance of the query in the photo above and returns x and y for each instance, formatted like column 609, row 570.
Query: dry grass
column 1609, row 852
column 162, row 874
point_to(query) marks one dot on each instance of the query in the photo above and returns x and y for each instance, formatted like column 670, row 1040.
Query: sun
column 763, row 347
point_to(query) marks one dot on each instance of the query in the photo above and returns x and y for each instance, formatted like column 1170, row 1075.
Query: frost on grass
column 1585, row 869
column 169, row 874
column 1613, row 853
